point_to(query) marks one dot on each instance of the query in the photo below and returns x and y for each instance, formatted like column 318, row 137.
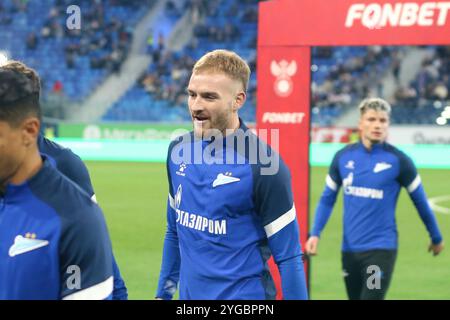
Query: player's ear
column 239, row 100
column 30, row 130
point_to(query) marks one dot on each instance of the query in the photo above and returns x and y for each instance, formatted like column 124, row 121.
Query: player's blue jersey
column 224, row 222
column 67, row 163
column 54, row 242
column 371, row 182
column 70, row 164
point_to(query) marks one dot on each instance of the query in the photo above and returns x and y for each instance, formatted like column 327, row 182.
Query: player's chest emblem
column 26, row 244
column 381, row 166
column 224, row 179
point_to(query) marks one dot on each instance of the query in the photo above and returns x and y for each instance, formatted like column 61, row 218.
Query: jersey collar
column 375, row 147
column 40, row 177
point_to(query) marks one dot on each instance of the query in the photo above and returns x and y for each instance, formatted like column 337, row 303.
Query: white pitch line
column 433, row 204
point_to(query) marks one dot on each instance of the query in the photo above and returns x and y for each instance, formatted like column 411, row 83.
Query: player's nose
column 196, row 105
column 377, row 124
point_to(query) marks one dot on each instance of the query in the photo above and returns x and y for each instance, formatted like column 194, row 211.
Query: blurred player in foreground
column 54, row 242
column 69, row 164
column 225, row 218
column 371, row 173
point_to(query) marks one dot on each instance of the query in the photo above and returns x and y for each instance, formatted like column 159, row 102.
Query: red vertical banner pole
column 283, row 103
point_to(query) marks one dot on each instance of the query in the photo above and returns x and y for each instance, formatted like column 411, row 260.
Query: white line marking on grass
column 434, row 204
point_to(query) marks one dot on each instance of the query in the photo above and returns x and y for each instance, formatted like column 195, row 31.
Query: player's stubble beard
column 219, row 122
column 8, row 170
column 10, row 161
column 376, row 140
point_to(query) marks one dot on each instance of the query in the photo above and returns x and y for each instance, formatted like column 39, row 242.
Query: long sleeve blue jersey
column 224, row 221
column 54, row 243
column 70, row 164
column 371, row 182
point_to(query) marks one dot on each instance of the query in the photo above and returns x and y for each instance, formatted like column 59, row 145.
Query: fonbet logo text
column 406, row 14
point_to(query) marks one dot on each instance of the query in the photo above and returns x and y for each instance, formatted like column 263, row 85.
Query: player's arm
column 275, row 206
column 170, row 267
column 325, row 207
column 71, row 165
column 410, row 179
column 85, row 255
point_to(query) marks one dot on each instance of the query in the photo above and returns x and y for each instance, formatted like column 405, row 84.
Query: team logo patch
column 26, row 244
column 381, row 166
column 224, row 179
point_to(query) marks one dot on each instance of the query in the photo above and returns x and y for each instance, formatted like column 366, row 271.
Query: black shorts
column 367, row 275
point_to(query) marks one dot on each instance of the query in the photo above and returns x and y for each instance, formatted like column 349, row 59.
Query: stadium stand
column 74, row 63
column 425, row 97
column 341, row 76
column 160, row 93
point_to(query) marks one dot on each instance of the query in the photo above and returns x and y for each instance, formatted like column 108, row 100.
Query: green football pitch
column 133, row 197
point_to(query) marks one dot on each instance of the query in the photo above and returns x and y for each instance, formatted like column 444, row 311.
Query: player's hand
column 311, row 245
column 436, row 248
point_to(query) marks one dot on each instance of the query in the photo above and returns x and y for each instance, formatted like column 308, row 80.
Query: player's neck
column 232, row 126
column 368, row 144
column 28, row 168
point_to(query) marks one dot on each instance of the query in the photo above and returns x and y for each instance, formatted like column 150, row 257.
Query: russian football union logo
column 283, row 71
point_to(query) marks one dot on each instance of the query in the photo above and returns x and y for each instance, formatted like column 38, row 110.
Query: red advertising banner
column 283, row 104
column 334, row 135
column 350, row 22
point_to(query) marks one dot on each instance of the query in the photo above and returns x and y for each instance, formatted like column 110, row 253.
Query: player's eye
column 209, row 97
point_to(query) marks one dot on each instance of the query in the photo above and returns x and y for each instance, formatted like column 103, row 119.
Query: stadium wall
column 435, row 156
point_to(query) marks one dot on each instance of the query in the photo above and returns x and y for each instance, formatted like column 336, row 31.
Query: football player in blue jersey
column 54, row 242
column 73, row 168
column 226, row 215
column 371, row 173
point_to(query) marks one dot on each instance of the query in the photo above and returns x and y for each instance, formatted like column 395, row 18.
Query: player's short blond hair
column 227, row 62
column 376, row 104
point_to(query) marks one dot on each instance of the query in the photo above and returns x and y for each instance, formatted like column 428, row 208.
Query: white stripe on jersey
column 330, row 183
column 282, row 221
column 172, row 202
column 99, row 291
column 414, row 185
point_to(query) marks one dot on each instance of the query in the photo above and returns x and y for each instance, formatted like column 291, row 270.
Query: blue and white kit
column 371, row 182
column 70, row 164
column 225, row 220
column 54, row 243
